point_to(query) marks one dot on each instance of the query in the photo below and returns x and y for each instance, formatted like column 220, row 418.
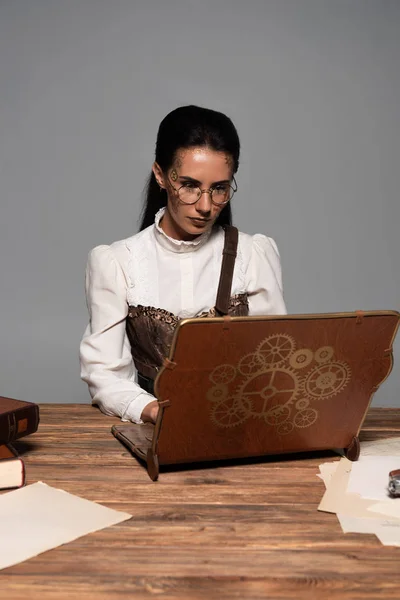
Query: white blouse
column 182, row 277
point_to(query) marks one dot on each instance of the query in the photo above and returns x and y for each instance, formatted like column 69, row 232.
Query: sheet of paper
column 336, row 500
column 326, row 471
column 357, row 514
column 369, row 477
column 388, row 541
column 389, row 536
column 38, row 517
column 388, row 446
column 386, row 530
column 376, row 525
column 391, row 509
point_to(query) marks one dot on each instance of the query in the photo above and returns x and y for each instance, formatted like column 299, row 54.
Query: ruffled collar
column 177, row 245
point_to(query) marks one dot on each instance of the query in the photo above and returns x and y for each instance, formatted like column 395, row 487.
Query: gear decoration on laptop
column 302, row 404
column 275, row 349
column 268, row 388
column 327, row 380
column 277, row 414
column 229, row 412
column 305, row 418
column 276, row 383
column 285, row 428
column 324, row 354
column 223, row 374
column 251, row 364
column 301, row 358
column 218, row 392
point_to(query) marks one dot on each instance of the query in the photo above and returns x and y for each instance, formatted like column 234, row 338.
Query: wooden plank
column 198, row 588
column 245, row 529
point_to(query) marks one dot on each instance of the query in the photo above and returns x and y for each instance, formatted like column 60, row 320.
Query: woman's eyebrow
column 222, row 181
column 192, row 180
column 187, row 178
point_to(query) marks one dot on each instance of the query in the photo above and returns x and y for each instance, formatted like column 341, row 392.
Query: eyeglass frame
column 208, row 191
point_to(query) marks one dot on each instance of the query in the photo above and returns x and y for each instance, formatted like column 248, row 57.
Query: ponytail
column 156, row 198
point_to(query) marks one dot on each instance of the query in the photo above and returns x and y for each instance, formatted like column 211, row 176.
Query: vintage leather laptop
column 251, row 386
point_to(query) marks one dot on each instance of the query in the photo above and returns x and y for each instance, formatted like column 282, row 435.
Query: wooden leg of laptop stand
column 352, row 452
column 152, row 465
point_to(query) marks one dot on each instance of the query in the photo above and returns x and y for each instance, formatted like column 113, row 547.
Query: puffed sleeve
column 106, row 360
column 264, row 278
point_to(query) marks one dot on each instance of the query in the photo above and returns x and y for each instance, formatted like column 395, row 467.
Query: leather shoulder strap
column 228, row 264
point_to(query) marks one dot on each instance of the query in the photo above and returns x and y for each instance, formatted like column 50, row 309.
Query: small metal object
column 394, row 483
column 195, row 192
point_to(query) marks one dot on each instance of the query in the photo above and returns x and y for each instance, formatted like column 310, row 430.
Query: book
column 17, row 419
column 12, row 468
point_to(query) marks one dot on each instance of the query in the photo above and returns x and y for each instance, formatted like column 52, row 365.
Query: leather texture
column 251, row 386
column 150, row 330
column 254, row 386
column 228, row 264
column 17, row 419
column 138, row 438
column 7, row 451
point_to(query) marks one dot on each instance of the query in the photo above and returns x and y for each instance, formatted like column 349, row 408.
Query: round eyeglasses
column 220, row 194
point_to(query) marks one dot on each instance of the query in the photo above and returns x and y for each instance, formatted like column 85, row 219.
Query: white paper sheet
column 389, row 536
column 38, row 517
column 327, row 471
column 391, row 509
column 378, row 526
column 369, row 477
column 336, row 500
column 357, row 514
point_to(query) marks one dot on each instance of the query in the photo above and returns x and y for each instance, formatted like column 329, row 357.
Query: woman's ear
column 158, row 174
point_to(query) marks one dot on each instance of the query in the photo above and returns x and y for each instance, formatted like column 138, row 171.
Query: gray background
column 314, row 89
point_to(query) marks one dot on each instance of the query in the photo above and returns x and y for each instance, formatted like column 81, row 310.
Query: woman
column 137, row 289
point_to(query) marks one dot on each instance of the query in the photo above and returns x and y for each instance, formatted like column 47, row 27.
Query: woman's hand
column 150, row 412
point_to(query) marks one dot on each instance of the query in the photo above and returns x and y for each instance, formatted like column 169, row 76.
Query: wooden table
column 244, row 530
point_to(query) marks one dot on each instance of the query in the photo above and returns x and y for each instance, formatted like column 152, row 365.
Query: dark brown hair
column 189, row 127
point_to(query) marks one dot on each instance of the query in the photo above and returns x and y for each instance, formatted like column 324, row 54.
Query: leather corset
column 150, row 330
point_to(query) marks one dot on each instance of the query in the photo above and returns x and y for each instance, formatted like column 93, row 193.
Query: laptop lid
column 249, row 386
